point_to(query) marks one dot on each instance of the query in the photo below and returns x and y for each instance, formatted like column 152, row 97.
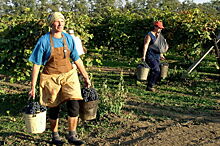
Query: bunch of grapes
column 34, row 108
column 89, row 94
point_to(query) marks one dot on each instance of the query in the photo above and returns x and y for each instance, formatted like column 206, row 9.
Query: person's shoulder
column 66, row 35
column 45, row 37
column 149, row 33
column 78, row 37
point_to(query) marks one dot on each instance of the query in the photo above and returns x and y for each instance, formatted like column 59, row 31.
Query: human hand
column 162, row 57
column 32, row 93
column 87, row 82
column 143, row 59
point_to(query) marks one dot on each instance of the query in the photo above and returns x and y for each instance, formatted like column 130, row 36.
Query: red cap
column 158, row 24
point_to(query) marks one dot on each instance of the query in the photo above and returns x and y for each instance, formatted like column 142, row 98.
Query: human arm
column 34, row 76
column 147, row 40
column 82, row 70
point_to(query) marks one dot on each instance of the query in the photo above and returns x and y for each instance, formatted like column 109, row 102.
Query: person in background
column 79, row 47
column 152, row 56
column 59, row 82
column 78, row 43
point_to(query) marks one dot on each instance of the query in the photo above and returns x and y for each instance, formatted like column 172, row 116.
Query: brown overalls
column 59, row 80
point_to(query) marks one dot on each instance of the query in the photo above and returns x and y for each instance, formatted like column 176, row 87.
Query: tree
column 81, row 6
column 128, row 5
column 139, row 4
column 152, row 4
column 159, row 4
column 188, row 4
column 100, row 5
column 119, row 3
column 17, row 6
column 170, row 4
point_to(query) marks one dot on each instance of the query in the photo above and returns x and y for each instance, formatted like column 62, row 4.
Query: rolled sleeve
column 74, row 54
column 37, row 54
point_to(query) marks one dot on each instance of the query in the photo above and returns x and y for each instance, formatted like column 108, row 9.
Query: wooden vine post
column 217, row 52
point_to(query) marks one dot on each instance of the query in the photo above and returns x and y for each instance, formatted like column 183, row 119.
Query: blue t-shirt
column 42, row 50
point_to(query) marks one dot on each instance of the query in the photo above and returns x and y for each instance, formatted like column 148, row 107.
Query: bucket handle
column 145, row 64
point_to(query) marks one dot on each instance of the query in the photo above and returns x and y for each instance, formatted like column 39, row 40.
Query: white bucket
column 164, row 70
column 35, row 123
column 142, row 71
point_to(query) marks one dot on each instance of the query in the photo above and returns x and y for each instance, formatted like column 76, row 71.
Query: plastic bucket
column 142, row 72
column 88, row 110
column 164, row 70
column 35, row 123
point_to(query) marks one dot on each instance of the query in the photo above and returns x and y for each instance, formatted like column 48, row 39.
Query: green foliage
column 122, row 102
column 112, row 99
column 188, row 32
column 19, row 34
column 78, row 23
column 120, row 32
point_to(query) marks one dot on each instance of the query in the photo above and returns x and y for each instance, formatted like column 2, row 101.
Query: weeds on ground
column 198, row 93
column 112, row 99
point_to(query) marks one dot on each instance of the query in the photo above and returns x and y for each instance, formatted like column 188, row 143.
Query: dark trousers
column 154, row 75
column 72, row 110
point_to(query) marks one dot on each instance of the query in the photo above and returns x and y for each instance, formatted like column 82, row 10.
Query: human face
column 158, row 29
column 58, row 25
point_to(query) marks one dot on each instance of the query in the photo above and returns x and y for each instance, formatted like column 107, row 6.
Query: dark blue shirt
column 151, row 54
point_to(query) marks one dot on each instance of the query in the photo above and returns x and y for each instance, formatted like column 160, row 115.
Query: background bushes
column 114, row 32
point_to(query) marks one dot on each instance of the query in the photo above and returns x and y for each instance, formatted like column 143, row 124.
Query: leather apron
column 59, row 61
column 59, row 80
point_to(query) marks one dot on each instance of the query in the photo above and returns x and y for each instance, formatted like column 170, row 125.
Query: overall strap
column 153, row 37
column 51, row 43
column 65, row 47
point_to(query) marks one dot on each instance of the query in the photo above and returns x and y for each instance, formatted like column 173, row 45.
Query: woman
column 59, row 82
column 152, row 55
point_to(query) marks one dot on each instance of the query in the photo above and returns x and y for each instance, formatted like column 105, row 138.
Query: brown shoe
column 151, row 89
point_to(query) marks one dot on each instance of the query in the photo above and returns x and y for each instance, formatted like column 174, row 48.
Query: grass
column 121, row 96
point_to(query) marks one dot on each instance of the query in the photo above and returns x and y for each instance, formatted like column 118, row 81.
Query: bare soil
column 143, row 124
column 178, row 127
column 178, row 130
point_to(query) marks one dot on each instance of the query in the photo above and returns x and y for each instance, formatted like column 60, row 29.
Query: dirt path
column 148, row 124
column 180, row 130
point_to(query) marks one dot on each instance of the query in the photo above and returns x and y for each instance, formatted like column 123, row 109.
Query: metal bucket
column 164, row 70
column 142, row 72
column 88, row 110
column 35, row 123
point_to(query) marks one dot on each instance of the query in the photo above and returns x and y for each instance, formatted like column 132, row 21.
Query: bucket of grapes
column 89, row 104
column 35, row 117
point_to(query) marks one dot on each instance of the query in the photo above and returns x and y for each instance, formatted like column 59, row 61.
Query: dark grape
column 89, row 94
column 33, row 108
